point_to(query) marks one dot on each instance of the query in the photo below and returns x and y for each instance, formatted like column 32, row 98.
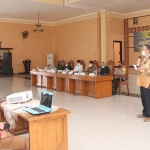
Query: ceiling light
column 38, row 25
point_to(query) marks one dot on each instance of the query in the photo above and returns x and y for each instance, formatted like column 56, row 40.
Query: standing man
column 143, row 80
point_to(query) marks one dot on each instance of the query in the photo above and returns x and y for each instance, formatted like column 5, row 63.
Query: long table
column 97, row 86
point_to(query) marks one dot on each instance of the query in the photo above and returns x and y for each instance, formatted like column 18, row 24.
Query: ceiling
column 28, row 9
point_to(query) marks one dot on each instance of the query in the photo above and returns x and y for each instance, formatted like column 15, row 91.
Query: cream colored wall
column 75, row 40
column 115, row 33
column 78, row 40
column 35, row 47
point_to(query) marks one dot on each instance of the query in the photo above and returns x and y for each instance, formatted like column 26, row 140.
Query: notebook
column 45, row 106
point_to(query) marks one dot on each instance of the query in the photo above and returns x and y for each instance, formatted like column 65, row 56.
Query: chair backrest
column 72, row 64
column 111, row 65
column 62, row 62
column 83, row 64
column 125, row 65
column 96, row 64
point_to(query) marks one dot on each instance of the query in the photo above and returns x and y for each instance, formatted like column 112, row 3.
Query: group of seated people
column 119, row 74
column 60, row 66
column 79, row 67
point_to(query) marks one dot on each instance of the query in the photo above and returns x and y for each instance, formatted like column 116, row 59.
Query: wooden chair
column 83, row 64
column 111, row 65
column 72, row 64
column 125, row 65
column 96, row 65
column 63, row 62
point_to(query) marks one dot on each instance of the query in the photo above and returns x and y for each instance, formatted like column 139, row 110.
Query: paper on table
column 135, row 67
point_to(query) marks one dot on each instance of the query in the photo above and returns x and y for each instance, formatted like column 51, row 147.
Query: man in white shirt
column 78, row 67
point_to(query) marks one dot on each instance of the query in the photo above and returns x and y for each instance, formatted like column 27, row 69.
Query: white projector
column 19, row 97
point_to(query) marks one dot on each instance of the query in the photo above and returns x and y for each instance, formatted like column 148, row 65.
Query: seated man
column 9, row 141
column 104, row 69
column 78, row 67
column 119, row 72
column 68, row 67
column 60, row 66
column 91, row 68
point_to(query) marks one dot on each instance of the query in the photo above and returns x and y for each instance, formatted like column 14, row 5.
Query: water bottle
column 37, row 68
column 96, row 72
column 55, row 69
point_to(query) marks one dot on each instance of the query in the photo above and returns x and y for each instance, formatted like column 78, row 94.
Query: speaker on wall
column 7, row 63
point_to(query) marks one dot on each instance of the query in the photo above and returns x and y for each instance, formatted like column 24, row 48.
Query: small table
column 46, row 131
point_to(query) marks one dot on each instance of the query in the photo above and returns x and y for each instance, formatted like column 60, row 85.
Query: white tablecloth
column 11, row 110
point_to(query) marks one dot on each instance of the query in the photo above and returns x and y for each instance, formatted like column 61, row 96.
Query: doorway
column 117, row 45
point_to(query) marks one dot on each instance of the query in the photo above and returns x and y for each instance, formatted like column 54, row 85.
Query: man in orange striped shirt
column 143, row 80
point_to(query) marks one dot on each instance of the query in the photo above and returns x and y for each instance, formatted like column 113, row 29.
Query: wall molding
column 79, row 18
column 46, row 23
column 21, row 21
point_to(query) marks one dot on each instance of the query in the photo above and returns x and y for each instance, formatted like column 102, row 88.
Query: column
column 104, row 36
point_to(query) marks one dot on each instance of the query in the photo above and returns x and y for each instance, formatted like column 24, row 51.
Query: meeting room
column 74, row 75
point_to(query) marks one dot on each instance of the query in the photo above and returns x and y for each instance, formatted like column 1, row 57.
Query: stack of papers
column 135, row 67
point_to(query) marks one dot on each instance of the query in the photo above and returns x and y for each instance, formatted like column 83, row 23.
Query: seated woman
column 104, row 69
column 78, row 67
column 68, row 66
column 91, row 68
column 9, row 141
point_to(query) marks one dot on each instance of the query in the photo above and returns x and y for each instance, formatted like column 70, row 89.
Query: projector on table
column 19, row 97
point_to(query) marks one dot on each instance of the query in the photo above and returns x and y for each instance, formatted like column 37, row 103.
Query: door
column 117, row 51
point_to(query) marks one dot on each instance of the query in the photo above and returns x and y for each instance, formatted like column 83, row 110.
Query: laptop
column 45, row 106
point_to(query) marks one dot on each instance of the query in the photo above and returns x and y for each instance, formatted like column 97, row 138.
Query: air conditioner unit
column 19, row 97
column 50, row 61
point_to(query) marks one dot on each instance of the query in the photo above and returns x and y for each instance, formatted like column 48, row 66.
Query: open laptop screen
column 46, row 98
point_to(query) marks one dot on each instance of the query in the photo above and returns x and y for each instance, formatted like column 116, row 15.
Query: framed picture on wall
column 135, row 21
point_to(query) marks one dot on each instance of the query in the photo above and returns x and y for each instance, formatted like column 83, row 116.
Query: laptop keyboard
column 38, row 109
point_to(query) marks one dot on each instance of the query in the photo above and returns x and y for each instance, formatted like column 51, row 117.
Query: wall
column 142, row 21
column 115, row 33
column 78, row 40
column 35, row 47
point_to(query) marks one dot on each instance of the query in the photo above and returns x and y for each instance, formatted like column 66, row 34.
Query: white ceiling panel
column 28, row 10
column 118, row 6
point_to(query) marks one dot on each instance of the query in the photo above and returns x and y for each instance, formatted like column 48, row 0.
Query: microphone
column 138, row 61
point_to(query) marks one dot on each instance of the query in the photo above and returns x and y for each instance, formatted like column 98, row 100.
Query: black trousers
column 145, row 97
column 1, row 68
column 116, row 83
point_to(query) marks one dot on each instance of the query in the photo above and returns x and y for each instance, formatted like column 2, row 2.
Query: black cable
column 15, row 109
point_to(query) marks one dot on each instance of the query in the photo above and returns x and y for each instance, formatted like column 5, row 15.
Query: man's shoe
column 140, row 116
column 147, row 119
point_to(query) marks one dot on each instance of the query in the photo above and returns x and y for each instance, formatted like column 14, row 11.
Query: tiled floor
column 94, row 124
